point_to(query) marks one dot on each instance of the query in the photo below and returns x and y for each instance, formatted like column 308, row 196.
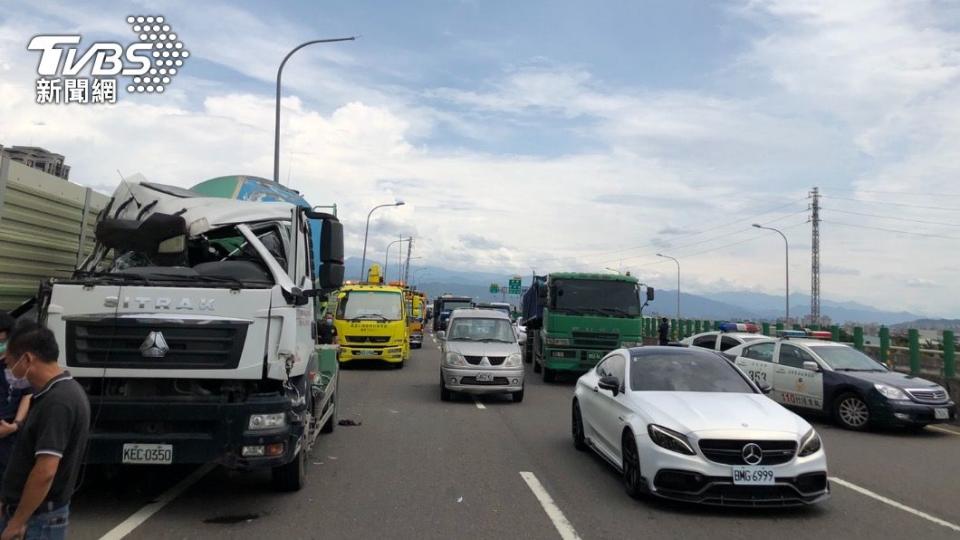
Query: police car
column 729, row 336
column 836, row 379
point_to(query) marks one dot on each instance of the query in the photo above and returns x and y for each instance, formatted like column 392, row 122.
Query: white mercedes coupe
column 686, row 424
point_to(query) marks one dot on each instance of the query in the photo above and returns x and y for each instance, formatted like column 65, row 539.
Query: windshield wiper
column 370, row 316
column 618, row 311
column 860, row 369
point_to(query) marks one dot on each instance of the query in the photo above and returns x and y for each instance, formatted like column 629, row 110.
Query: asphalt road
column 420, row 468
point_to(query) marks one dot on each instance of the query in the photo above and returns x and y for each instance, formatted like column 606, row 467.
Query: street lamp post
column 276, row 129
column 363, row 261
column 678, row 282
column 386, row 258
column 787, row 260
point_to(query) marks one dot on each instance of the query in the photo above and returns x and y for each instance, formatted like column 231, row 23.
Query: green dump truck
column 574, row 319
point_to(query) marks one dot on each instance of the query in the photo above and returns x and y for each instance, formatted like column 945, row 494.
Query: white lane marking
column 143, row 514
column 895, row 504
column 480, row 406
column 943, row 430
column 553, row 512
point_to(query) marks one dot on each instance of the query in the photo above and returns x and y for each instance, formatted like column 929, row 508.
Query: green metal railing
column 918, row 360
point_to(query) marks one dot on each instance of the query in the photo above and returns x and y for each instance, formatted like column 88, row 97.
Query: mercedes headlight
column 512, row 361
column 557, row 341
column 267, row 421
column 810, row 444
column 890, row 392
column 670, row 439
column 454, row 359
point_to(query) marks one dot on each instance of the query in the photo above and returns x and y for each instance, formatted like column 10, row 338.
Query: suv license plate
column 941, row 414
column 484, row 377
column 753, row 476
column 148, row 454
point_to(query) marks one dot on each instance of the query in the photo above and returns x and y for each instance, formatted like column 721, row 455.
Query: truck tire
column 536, row 366
column 549, row 375
column 291, row 476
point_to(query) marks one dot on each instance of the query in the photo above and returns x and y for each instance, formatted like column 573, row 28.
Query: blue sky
column 559, row 135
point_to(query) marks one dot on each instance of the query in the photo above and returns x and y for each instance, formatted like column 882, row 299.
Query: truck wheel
column 549, row 375
column 517, row 396
column 536, row 366
column 399, row 365
column 291, row 476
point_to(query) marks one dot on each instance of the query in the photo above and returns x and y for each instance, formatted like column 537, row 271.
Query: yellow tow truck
column 371, row 322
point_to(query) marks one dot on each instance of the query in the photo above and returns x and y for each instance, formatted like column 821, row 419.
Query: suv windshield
column 846, row 359
column 685, row 370
column 616, row 298
column 380, row 305
column 477, row 329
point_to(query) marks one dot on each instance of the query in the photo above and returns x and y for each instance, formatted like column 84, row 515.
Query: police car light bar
column 792, row 333
column 820, row 334
column 739, row 327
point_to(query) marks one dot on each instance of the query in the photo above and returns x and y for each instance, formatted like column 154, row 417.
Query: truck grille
column 368, row 339
column 115, row 343
column 928, row 396
column 597, row 340
column 729, row 451
column 494, row 360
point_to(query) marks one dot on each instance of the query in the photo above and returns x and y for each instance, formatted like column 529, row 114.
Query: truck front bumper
column 571, row 359
column 199, row 430
column 390, row 353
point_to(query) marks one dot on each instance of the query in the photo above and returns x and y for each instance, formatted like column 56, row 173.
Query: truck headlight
column 890, row 392
column 267, row 421
column 512, row 361
column 810, row 444
column 557, row 341
column 454, row 359
column 628, row 344
column 670, row 439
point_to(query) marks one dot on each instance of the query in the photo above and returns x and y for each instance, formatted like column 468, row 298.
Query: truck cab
column 191, row 328
column 574, row 319
column 444, row 305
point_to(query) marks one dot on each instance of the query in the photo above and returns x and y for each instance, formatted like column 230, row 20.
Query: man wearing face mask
column 14, row 397
column 328, row 332
column 43, row 469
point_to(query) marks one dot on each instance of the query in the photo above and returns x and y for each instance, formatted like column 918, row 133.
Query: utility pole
column 406, row 269
column 815, row 257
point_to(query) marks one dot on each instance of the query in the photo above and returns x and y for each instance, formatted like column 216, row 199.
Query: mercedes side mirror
column 810, row 365
column 610, row 383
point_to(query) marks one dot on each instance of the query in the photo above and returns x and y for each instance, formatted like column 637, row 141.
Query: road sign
column 494, row 288
column 515, row 285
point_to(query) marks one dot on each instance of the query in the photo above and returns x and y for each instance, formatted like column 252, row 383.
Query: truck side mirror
column 649, row 294
column 331, row 250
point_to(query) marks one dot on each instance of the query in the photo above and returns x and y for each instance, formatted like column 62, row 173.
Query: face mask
column 16, row 364
column 328, row 322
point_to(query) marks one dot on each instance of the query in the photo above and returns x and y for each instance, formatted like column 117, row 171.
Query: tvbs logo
column 150, row 63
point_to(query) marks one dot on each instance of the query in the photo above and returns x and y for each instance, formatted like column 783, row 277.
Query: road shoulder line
column 895, row 504
column 560, row 521
column 140, row 516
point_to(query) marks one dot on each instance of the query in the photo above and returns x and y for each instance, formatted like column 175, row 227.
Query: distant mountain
column 727, row 305
column 929, row 324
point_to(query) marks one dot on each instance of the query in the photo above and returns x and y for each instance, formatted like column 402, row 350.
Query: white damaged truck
column 192, row 328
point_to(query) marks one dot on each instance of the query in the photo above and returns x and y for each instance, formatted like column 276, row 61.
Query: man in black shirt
column 328, row 332
column 46, row 460
column 664, row 331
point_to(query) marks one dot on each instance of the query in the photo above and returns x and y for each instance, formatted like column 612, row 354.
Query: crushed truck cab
column 191, row 327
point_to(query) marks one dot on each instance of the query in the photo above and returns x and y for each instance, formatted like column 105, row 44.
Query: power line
column 913, row 193
column 889, row 203
column 898, row 231
column 925, row 222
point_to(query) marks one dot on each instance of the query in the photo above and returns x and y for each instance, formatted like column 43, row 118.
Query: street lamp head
column 660, row 255
column 757, row 225
column 399, row 203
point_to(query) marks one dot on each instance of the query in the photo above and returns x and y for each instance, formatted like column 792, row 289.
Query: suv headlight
column 557, row 341
column 454, row 359
column 890, row 392
column 810, row 444
column 512, row 361
column 670, row 439
column 267, row 421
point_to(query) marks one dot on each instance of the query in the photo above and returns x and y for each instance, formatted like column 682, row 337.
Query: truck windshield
column 382, row 305
column 451, row 305
column 477, row 329
column 595, row 296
